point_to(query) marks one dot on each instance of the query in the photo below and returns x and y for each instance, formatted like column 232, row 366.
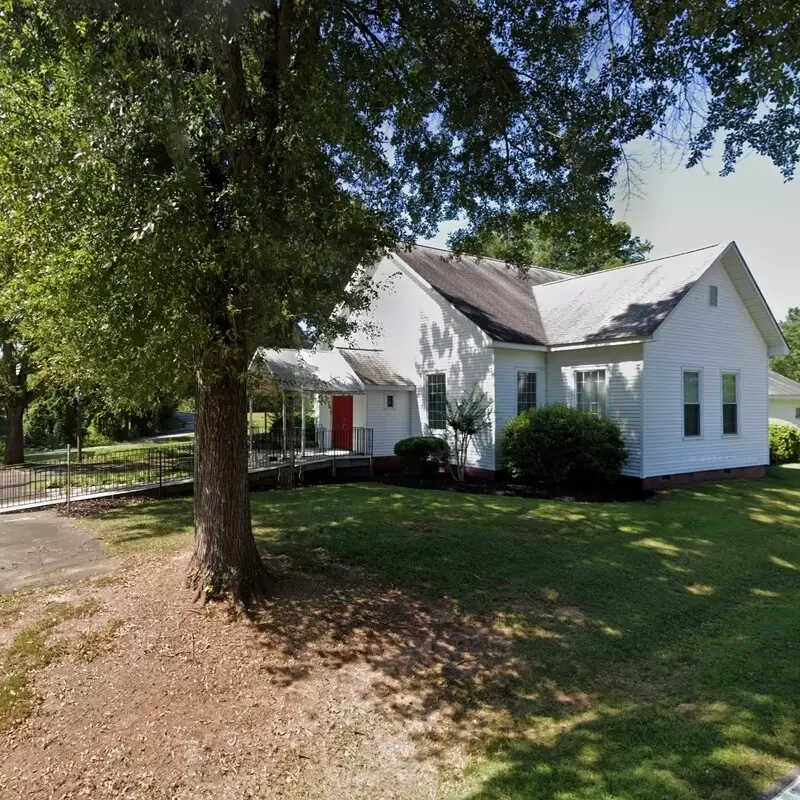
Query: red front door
column 342, row 421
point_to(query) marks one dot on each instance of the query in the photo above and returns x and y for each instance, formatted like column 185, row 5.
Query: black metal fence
column 118, row 470
column 98, row 472
column 274, row 449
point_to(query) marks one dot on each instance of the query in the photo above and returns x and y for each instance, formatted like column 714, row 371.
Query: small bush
column 562, row 446
column 784, row 442
column 422, row 454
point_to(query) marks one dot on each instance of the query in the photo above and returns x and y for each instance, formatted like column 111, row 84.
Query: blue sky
column 681, row 209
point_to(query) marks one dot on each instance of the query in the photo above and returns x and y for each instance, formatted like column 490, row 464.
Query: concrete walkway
column 787, row 789
column 42, row 549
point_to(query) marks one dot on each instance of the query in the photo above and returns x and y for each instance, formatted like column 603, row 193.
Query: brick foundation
column 688, row 478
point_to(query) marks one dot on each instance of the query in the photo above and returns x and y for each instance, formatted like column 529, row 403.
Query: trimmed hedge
column 784, row 442
column 560, row 446
column 422, row 453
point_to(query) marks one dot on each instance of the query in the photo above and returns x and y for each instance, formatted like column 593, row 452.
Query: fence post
column 69, row 480
column 160, row 473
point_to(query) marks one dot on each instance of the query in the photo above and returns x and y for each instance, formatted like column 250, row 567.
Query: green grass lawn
column 657, row 643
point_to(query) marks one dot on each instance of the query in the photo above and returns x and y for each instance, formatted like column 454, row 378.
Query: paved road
column 43, row 549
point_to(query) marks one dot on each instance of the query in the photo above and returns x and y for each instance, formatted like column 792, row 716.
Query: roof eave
column 599, row 343
column 500, row 344
column 778, row 346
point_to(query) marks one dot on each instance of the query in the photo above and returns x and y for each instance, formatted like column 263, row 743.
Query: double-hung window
column 526, row 391
column 437, row 400
column 730, row 405
column 590, row 391
column 691, row 403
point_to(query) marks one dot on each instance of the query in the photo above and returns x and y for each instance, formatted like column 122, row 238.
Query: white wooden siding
column 421, row 333
column 359, row 411
column 389, row 425
column 715, row 340
column 623, row 366
column 322, row 411
column 785, row 409
column 507, row 364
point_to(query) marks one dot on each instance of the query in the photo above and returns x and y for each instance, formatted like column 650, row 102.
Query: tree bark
column 225, row 561
column 15, row 439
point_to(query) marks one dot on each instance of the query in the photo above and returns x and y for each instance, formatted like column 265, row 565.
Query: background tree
column 790, row 365
column 584, row 244
column 15, row 391
column 208, row 173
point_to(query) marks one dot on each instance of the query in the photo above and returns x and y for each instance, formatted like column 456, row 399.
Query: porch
column 310, row 445
column 316, row 390
column 328, row 404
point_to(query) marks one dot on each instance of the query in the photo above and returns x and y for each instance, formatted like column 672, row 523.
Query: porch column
column 283, row 403
column 250, row 429
column 302, row 424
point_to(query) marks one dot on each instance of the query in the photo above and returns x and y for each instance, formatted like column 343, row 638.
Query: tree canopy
column 187, row 179
column 790, row 365
column 585, row 244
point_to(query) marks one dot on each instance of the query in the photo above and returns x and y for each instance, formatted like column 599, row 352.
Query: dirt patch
column 338, row 688
column 103, row 505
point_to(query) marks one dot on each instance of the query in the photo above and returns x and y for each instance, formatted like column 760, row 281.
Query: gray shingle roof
column 310, row 370
column 780, row 386
column 372, row 368
column 485, row 290
column 546, row 307
column 619, row 303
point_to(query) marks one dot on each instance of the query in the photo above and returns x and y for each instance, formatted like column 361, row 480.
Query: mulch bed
column 625, row 490
column 339, row 687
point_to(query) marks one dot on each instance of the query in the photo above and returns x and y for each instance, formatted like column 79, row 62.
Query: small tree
column 464, row 420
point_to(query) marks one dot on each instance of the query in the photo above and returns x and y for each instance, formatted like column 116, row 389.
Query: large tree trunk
column 225, row 559
column 15, row 441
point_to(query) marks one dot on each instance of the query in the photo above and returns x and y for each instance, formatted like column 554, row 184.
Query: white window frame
column 713, row 296
column 722, row 375
column 588, row 369
column 537, row 387
column 428, row 376
column 699, row 371
column 797, row 413
column 386, row 404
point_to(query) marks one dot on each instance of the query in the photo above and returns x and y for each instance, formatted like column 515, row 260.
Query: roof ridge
column 489, row 258
column 635, row 264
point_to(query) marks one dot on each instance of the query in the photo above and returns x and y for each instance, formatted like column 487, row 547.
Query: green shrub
column 422, row 454
column 562, row 446
column 784, row 442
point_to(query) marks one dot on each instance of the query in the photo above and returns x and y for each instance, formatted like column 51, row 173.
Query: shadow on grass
column 582, row 651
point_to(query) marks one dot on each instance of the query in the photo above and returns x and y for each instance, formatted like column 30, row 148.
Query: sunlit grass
column 657, row 641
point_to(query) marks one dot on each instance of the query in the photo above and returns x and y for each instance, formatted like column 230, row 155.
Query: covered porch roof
column 321, row 371
column 336, row 371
